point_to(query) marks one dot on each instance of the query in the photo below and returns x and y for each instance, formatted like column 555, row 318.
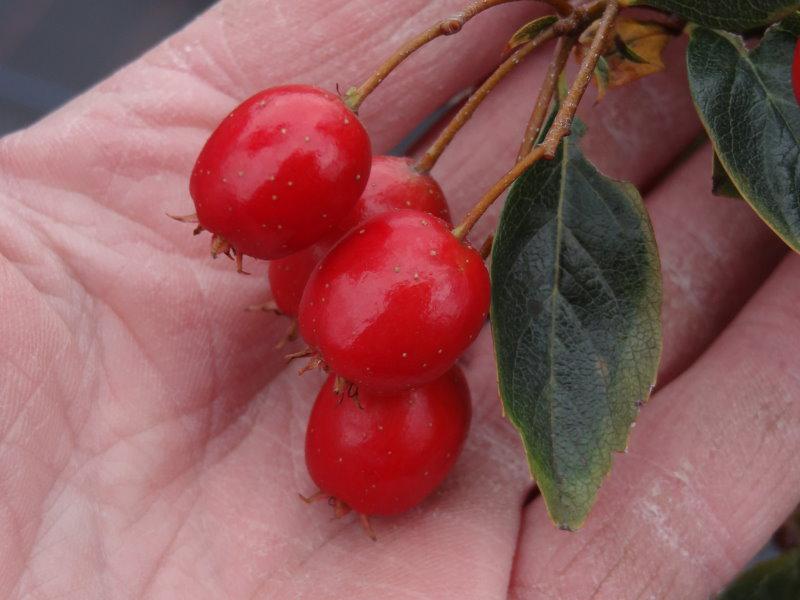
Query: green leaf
column 747, row 105
column 576, row 298
column 721, row 184
column 730, row 15
column 529, row 31
column 777, row 579
column 791, row 24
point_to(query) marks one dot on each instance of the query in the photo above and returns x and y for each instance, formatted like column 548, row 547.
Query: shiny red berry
column 393, row 183
column 281, row 171
column 796, row 71
column 395, row 303
column 388, row 455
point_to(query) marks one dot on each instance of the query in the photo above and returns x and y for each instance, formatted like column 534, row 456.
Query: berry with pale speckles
column 279, row 173
column 387, row 453
column 402, row 283
column 393, row 184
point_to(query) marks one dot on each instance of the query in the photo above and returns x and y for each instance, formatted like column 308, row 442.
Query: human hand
column 151, row 438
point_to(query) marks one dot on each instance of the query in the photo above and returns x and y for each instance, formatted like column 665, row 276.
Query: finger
column 711, row 472
column 715, row 253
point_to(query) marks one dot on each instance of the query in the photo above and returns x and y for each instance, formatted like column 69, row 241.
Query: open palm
column 151, row 438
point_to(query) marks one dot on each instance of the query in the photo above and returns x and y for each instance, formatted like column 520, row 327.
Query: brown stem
column 477, row 211
column 486, row 247
column 428, row 160
column 356, row 96
column 546, row 94
column 563, row 122
column 571, row 24
column 560, row 129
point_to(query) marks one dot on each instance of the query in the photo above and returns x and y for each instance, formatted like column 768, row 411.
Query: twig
column 563, row 122
column 486, row 247
column 546, row 94
column 428, row 160
column 569, row 25
column 560, row 129
column 356, row 96
column 477, row 211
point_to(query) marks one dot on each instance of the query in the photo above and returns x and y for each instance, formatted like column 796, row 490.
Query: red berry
column 393, row 183
column 796, row 71
column 396, row 301
column 288, row 276
column 281, row 171
column 388, row 455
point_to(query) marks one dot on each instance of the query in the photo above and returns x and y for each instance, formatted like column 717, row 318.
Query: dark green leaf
column 576, row 297
column 730, row 15
column 778, row 579
column 791, row 24
column 529, row 31
column 721, row 184
column 747, row 105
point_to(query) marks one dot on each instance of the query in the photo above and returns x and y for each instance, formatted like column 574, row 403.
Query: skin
column 151, row 441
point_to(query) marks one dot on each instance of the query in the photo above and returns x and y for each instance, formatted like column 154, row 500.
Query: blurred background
column 51, row 50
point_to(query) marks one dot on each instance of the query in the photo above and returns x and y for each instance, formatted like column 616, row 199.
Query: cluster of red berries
column 363, row 256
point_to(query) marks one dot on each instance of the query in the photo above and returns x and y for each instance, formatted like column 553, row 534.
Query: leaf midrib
column 774, row 100
column 553, row 303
